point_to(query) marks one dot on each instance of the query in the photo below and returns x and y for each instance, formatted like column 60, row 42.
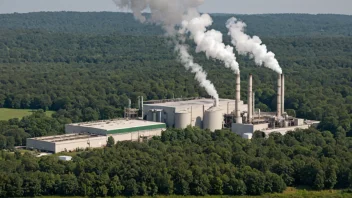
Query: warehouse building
column 95, row 135
column 67, row 142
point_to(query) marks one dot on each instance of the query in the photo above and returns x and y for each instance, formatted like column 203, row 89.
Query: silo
column 213, row 119
column 182, row 119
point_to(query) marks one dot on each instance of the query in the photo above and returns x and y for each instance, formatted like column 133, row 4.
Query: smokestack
column 250, row 101
column 238, row 98
column 279, row 114
column 282, row 93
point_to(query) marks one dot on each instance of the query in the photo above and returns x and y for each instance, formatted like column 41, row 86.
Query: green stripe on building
column 136, row 129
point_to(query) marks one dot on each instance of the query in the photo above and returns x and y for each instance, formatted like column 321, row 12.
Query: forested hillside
column 186, row 162
column 268, row 25
column 90, row 77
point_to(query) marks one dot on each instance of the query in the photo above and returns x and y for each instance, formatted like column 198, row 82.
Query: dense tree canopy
column 187, row 162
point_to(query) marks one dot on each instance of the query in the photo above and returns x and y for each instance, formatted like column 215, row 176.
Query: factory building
column 194, row 112
column 242, row 119
column 95, row 135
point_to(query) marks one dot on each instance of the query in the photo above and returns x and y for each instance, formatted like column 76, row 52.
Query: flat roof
column 202, row 101
column 121, row 125
column 66, row 137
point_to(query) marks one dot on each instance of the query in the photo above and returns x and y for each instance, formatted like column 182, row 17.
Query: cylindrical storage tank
column 213, row 119
column 182, row 119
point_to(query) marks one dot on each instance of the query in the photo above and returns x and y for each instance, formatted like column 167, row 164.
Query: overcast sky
column 218, row 6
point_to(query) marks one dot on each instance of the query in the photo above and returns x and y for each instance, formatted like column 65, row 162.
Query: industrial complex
column 242, row 119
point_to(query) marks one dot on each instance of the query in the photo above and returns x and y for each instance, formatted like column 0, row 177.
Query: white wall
column 72, row 145
column 95, row 142
column 135, row 136
column 241, row 129
column 261, row 127
column 40, row 145
column 283, row 131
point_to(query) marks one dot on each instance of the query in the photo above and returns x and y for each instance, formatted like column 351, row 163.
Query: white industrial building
column 196, row 112
column 242, row 119
column 95, row 135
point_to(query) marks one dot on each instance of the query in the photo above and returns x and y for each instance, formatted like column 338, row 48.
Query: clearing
column 6, row 114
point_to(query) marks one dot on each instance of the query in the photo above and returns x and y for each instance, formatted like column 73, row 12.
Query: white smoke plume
column 201, row 76
column 169, row 14
column 210, row 42
column 246, row 45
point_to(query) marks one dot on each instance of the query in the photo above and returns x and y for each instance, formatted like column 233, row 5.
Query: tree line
column 105, row 23
column 187, row 162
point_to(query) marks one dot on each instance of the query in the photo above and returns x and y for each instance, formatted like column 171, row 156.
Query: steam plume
column 253, row 46
column 169, row 14
column 201, row 76
column 210, row 41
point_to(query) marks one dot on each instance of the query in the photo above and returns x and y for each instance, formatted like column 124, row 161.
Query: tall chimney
column 282, row 93
column 278, row 113
column 238, row 98
column 250, row 101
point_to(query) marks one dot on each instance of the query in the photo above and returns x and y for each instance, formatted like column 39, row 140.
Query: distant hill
column 268, row 25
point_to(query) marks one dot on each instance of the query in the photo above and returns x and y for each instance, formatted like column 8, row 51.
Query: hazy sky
column 218, row 6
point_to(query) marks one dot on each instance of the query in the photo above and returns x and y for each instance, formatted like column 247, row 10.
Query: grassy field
column 289, row 193
column 6, row 114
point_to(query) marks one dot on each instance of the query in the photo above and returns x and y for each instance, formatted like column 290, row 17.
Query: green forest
column 187, row 162
column 85, row 66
